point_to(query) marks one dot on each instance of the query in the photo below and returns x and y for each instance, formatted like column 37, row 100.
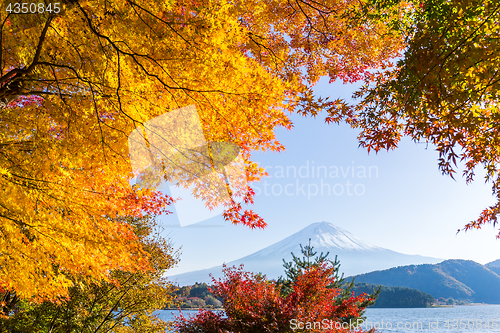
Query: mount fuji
column 355, row 255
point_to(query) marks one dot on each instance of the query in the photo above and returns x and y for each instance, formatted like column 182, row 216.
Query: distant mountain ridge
column 355, row 255
column 494, row 266
column 495, row 263
column 458, row 279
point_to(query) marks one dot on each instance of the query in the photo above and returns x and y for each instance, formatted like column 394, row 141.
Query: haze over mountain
column 355, row 255
column 458, row 279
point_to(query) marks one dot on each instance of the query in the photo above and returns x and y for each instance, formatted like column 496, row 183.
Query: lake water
column 473, row 318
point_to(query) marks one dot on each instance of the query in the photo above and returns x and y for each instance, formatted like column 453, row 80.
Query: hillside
column 395, row 297
column 495, row 269
column 494, row 266
column 457, row 279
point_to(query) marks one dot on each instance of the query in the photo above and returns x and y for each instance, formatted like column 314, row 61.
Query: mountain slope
column 494, row 266
column 395, row 297
column 355, row 255
column 458, row 279
column 495, row 263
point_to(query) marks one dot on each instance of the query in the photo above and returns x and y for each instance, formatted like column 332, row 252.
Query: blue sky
column 405, row 204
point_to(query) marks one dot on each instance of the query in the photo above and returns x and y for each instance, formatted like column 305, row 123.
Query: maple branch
column 317, row 9
column 42, row 93
column 99, row 120
column 443, row 61
column 153, row 15
column 250, row 34
column 9, row 301
column 20, row 71
column 40, row 44
column 134, row 56
column 116, row 304
column 1, row 43
column 471, row 35
column 309, row 23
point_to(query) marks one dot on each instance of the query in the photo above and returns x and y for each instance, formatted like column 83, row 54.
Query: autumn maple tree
column 75, row 84
column 444, row 91
column 312, row 292
column 128, row 304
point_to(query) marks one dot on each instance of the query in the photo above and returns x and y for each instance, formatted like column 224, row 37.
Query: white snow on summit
column 326, row 234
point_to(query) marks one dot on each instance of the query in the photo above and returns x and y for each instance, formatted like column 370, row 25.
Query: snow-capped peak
column 356, row 256
column 326, row 234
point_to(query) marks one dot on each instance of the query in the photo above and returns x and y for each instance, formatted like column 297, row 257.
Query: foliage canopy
column 127, row 304
column 74, row 85
column 443, row 91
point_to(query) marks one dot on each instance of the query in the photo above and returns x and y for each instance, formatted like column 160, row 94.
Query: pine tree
column 310, row 259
